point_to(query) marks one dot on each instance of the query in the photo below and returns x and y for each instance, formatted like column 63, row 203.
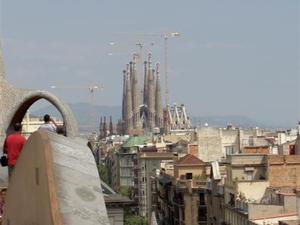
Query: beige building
column 31, row 124
column 214, row 144
column 284, row 170
column 148, row 165
column 260, row 188
column 181, row 198
column 245, row 183
column 215, row 194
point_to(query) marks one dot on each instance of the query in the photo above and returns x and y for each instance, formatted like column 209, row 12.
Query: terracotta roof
column 189, row 160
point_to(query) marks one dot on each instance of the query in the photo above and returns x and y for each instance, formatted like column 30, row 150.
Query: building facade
column 148, row 165
column 181, row 199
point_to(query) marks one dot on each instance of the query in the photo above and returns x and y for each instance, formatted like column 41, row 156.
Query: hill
column 84, row 112
column 236, row 120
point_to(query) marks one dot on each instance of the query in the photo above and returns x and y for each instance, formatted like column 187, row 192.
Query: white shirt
column 48, row 126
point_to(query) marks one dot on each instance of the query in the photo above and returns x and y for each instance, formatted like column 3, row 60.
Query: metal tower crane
column 166, row 37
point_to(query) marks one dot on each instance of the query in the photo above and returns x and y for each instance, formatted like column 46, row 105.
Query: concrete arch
column 29, row 98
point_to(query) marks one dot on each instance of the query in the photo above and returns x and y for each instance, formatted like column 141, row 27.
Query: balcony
column 191, row 183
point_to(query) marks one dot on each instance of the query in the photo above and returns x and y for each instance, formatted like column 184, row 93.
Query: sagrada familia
column 142, row 108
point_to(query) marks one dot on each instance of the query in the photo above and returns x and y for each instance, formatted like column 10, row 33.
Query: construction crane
column 91, row 89
column 140, row 51
column 166, row 36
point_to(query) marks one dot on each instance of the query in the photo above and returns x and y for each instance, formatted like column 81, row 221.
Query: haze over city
column 149, row 112
column 220, row 65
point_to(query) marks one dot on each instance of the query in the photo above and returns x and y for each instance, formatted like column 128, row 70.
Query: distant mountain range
column 238, row 121
column 85, row 114
column 223, row 121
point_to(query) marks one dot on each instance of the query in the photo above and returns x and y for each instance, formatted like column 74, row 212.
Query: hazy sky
column 233, row 57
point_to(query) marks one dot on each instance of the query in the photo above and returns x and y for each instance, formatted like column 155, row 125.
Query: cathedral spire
column 124, row 95
column 145, row 83
column 128, row 109
column 111, row 127
column 135, row 94
column 151, row 97
column 104, row 127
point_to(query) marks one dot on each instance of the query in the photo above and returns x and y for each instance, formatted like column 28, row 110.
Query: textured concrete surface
column 80, row 194
column 59, row 181
column 14, row 103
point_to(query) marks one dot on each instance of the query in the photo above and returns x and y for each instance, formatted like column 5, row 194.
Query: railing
column 193, row 183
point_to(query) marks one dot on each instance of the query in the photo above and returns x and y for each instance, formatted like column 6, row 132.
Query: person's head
column 3, row 193
column 18, row 127
column 46, row 118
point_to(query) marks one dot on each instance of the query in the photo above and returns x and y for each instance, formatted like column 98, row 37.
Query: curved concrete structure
column 14, row 102
column 55, row 182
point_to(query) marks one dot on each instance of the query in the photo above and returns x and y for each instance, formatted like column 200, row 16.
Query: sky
column 233, row 57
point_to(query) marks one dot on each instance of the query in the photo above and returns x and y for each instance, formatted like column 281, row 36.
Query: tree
column 103, row 173
column 135, row 220
column 126, row 191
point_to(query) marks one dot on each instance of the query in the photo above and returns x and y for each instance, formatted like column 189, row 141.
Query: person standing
column 49, row 124
column 13, row 146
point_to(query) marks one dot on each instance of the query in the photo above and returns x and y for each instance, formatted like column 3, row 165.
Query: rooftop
column 134, row 141
column 189, row 160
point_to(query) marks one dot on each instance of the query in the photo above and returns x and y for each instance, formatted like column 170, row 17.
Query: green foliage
column 129, row 216
column 196, row 177
column 126, row 191
column 103, row 173
column 135, row 220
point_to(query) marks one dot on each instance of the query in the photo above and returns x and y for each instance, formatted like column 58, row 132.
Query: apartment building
column 147, row 166
column 181, row 198
column 260, row 188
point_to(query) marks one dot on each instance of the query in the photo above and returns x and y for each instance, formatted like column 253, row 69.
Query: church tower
column 128, row 99
column 158, row 100
column 151, row 94
column 136, row 94
column 141, row 109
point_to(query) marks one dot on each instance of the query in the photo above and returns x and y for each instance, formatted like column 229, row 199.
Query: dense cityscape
column 148, row 160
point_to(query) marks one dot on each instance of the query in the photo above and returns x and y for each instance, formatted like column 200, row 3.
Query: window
column 292, row 149
column 249, row 175
column 202, row 214
column 189, row 176
column 229, row 150
column 231, row 200
column 201, row 198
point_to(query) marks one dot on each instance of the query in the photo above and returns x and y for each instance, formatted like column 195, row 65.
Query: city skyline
column 231, row 67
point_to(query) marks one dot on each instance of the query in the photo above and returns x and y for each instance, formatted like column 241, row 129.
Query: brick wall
column 193, row 149
column 258, row 149
column 284, row 170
